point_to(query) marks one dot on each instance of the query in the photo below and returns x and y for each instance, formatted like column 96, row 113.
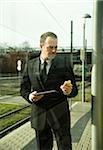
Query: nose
column 54, row 50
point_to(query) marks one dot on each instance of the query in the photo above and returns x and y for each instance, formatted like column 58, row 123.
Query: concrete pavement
column 9, row 99
column 23, row 138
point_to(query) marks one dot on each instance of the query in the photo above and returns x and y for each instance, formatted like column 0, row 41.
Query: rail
column 8, row 129
column 14, row 111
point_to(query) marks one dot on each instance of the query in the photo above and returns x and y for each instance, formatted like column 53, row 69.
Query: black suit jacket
column 52, row 107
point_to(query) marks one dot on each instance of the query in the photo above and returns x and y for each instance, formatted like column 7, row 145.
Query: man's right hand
column 34, row 97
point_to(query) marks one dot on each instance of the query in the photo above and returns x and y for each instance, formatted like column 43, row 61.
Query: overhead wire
column 54, row 18
column 22, row 34
column 49, row 12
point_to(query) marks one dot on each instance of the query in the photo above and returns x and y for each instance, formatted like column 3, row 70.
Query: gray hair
column 45, row 35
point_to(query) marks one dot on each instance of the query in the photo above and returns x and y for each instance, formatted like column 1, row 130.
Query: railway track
column 17, row 123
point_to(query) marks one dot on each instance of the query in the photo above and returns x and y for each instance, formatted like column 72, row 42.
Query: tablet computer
column 46, row 92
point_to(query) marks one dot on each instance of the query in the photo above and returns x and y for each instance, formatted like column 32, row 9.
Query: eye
column 52, row 47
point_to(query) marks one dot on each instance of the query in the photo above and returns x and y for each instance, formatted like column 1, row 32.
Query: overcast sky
column 26, row 20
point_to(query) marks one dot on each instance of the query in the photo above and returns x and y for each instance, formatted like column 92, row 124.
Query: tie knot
column 45, row 64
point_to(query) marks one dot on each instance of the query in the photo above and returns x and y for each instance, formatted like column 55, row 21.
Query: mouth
column 50, row 57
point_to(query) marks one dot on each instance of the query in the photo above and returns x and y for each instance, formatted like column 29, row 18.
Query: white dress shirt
column 41, row 66
column 47, row 66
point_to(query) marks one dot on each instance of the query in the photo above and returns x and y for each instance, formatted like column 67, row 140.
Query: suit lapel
column 37, row 69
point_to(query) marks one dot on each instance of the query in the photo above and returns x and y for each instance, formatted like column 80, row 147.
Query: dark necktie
column 44, row 72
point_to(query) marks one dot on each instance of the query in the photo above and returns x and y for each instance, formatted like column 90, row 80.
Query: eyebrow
column 52, row 46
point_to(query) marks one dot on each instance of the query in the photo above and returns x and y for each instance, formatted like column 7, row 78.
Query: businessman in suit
column 50, row 113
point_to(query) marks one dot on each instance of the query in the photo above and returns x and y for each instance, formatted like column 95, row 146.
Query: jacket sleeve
column 25, row 87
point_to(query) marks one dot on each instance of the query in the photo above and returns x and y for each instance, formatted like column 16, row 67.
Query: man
column 50, row 112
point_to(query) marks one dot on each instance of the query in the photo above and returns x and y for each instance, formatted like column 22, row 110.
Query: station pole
column 97, row 127
column 71, row 45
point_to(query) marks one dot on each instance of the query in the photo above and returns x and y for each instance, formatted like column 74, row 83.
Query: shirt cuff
column 30, row 97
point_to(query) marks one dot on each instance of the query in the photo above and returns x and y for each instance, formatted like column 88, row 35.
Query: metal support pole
column 83, row 65
column 97, row 129
column 93, row 110
column 71, row 54
column 83, row 57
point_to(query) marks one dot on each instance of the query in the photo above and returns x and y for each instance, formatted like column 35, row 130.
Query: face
column 49, row 48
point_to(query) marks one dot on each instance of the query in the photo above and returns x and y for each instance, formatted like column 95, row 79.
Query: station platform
column 23, row 138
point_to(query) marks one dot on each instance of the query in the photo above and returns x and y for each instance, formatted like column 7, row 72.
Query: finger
column 37, row 98
column 34, row 93
column 67, row 83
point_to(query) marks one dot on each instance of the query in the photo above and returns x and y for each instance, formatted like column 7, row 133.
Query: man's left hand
column 67, row 87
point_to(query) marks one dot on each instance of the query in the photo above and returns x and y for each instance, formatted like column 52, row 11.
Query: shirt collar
column 42, row 60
